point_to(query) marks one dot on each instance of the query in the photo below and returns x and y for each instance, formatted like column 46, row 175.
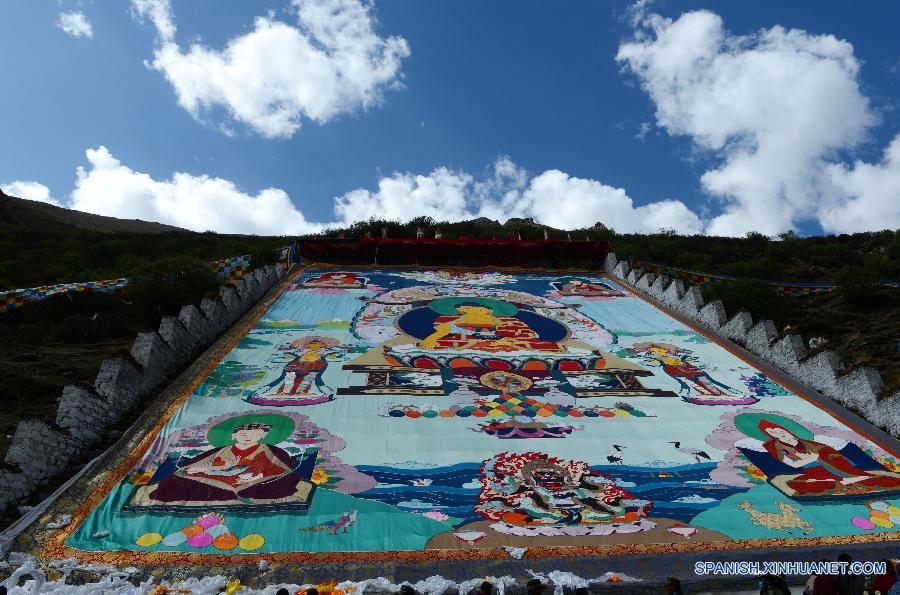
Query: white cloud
column 30, row 190
column 636, row 11
column 775, row 108
column 560, row 200
column 552, row 197
column 273, row 77
column 160, row 14
column 441, row 195
column 107, row 187
column 75, row 24
column 871, row 194
column 643, row 130
column 198, row 203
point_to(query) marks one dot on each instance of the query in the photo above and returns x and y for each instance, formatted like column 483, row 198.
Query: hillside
column 40, row 217
column 63, row 339
column 72, row 246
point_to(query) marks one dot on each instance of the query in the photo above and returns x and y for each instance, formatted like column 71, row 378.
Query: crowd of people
column 769, row 584
column 823, row 584
column 532, row 587
column 852, row 584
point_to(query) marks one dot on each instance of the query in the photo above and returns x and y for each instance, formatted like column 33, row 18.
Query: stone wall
column 39, row 451
column 861, row 389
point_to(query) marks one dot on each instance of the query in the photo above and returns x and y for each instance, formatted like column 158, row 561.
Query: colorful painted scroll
column 387, row 410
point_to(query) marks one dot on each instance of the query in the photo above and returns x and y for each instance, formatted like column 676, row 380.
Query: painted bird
column 613, row 456
column 692, row 452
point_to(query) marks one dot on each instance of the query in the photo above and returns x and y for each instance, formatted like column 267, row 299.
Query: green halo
column 281, row 427
column 748, row 423
column 447, row 306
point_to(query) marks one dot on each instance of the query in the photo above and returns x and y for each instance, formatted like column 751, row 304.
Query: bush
column 757, row 241
column 161, row 288
column 758, row 298
column 69, row 318
column 893, row 248
column 693, row 260
column 831, row 256
column 882, row 266
column 261, row 257
column 760, row 268
column 90, row 328
column 858, row 285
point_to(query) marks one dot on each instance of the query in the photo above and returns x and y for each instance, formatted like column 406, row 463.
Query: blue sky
column 714, row 118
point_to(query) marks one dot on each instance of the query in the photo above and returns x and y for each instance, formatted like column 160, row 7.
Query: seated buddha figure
column 476, row 327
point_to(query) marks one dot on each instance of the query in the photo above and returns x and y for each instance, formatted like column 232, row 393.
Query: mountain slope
column 41, row 217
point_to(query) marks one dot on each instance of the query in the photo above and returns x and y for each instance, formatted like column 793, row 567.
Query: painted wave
column 679, row 492
column 452, row 490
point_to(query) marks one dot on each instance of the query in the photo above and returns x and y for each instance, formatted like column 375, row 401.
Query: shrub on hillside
column 831, row 256
column 693, row 260
column 859, row 284
column 162, row 287
column 882, row 266
column 89, row 328
column 68, row 318
column 893, row 248
column 757, row 241
column 261, row 257
column 757, row 268
column 758, row 298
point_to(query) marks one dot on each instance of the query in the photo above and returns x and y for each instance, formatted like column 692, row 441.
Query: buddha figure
column 476, row 326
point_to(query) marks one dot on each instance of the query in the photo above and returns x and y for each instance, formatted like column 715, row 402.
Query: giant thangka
column 372, row 414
